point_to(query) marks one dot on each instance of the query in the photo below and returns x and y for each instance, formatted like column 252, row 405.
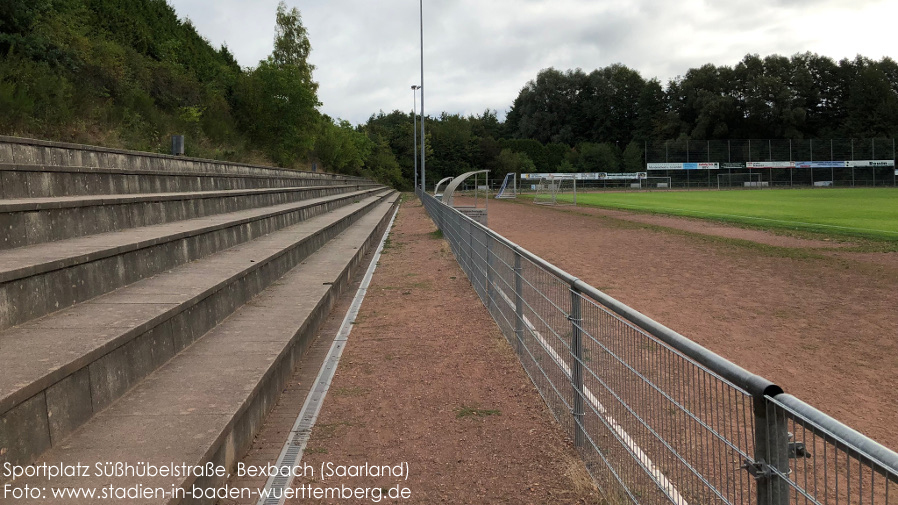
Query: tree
column 542, row 108
column 650, row 111
column 872, row 104
column 381, row 165
column 534, row 150
column 633, row 157
column 278, row 101
column 509, row 161
column 341, row 148
column 598, row 158
column 291, row 43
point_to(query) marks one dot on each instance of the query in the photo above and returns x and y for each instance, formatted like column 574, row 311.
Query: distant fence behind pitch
column 820, row 162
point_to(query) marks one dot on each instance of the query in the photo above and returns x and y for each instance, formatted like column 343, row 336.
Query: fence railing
column 736, row 156
column 656, row 417
column 748, row 150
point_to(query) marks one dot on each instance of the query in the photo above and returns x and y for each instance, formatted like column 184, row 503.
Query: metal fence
column 734, row 155
column 656, row 417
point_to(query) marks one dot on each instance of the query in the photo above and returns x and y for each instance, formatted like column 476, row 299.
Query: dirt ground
column 819, row 321
column 427, row 380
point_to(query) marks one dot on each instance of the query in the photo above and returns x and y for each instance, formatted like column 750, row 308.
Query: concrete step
column 64, row 369
column 28, row 221
column 40, row 279
column 36, row 181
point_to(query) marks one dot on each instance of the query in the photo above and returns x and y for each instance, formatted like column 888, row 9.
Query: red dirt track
column 427, row 379
column 823, row 325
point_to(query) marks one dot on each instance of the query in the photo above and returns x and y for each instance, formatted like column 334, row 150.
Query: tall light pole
column 415, row 129
column 423, row 142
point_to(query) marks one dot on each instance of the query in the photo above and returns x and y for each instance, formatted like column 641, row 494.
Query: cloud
column 478, row 54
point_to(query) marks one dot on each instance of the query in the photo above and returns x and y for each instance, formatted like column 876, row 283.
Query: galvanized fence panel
column 656, row 417
column 742, row 151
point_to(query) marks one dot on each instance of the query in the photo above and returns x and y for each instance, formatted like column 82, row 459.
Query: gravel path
column 427, row 379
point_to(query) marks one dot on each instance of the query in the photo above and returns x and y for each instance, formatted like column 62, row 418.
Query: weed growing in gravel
column 437, row 234
column 476, row 412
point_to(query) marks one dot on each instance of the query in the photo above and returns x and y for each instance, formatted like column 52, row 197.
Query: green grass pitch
column 858, row 212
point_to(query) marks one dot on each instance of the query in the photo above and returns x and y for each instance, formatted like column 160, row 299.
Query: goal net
column 741, row 180
column 509, row 188
column 556, row 191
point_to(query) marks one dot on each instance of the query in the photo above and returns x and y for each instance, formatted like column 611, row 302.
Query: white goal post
column 743, row 179
column 556, row 190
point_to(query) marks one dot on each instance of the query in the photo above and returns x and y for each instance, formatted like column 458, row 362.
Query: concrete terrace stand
column 152, row 307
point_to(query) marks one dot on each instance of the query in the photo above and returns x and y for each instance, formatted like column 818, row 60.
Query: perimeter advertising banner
column 587, row 176
column 870, row 163
column 683, row 166
column 580, row 176
column 627, row 176
column 774, row 164
column 819, row 164
column 770, row 164
column 846, row 164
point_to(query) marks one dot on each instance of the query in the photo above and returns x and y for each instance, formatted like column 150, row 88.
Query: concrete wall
column 22, row 151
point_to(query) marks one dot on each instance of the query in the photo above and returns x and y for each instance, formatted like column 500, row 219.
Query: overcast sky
column 479, row 53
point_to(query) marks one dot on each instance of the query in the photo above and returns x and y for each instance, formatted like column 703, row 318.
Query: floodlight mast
column 415, row 128
column 423, row 142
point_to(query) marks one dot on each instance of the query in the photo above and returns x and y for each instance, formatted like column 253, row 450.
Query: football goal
column 744, row 180
column 655, row 182
column 556, row 191
column 509, row 188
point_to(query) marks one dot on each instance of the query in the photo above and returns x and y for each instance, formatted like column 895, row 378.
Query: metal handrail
column 774, row 449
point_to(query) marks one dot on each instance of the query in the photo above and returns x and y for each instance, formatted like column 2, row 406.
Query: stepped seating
column 36, row 181
column 166, row 337
column 37, row 220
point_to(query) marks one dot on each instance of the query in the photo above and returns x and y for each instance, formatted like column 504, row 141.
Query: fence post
column 772, row 449
column 577, row 366
column 518, row 304
column 489, row 273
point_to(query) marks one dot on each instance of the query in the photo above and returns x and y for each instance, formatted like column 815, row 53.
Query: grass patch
column 869, row 213
column 732, row 244
column 464, row 411
column 437, row 234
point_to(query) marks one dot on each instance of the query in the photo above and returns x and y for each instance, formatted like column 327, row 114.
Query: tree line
column 129, row 73
column 565, row 121
column 805, row 96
